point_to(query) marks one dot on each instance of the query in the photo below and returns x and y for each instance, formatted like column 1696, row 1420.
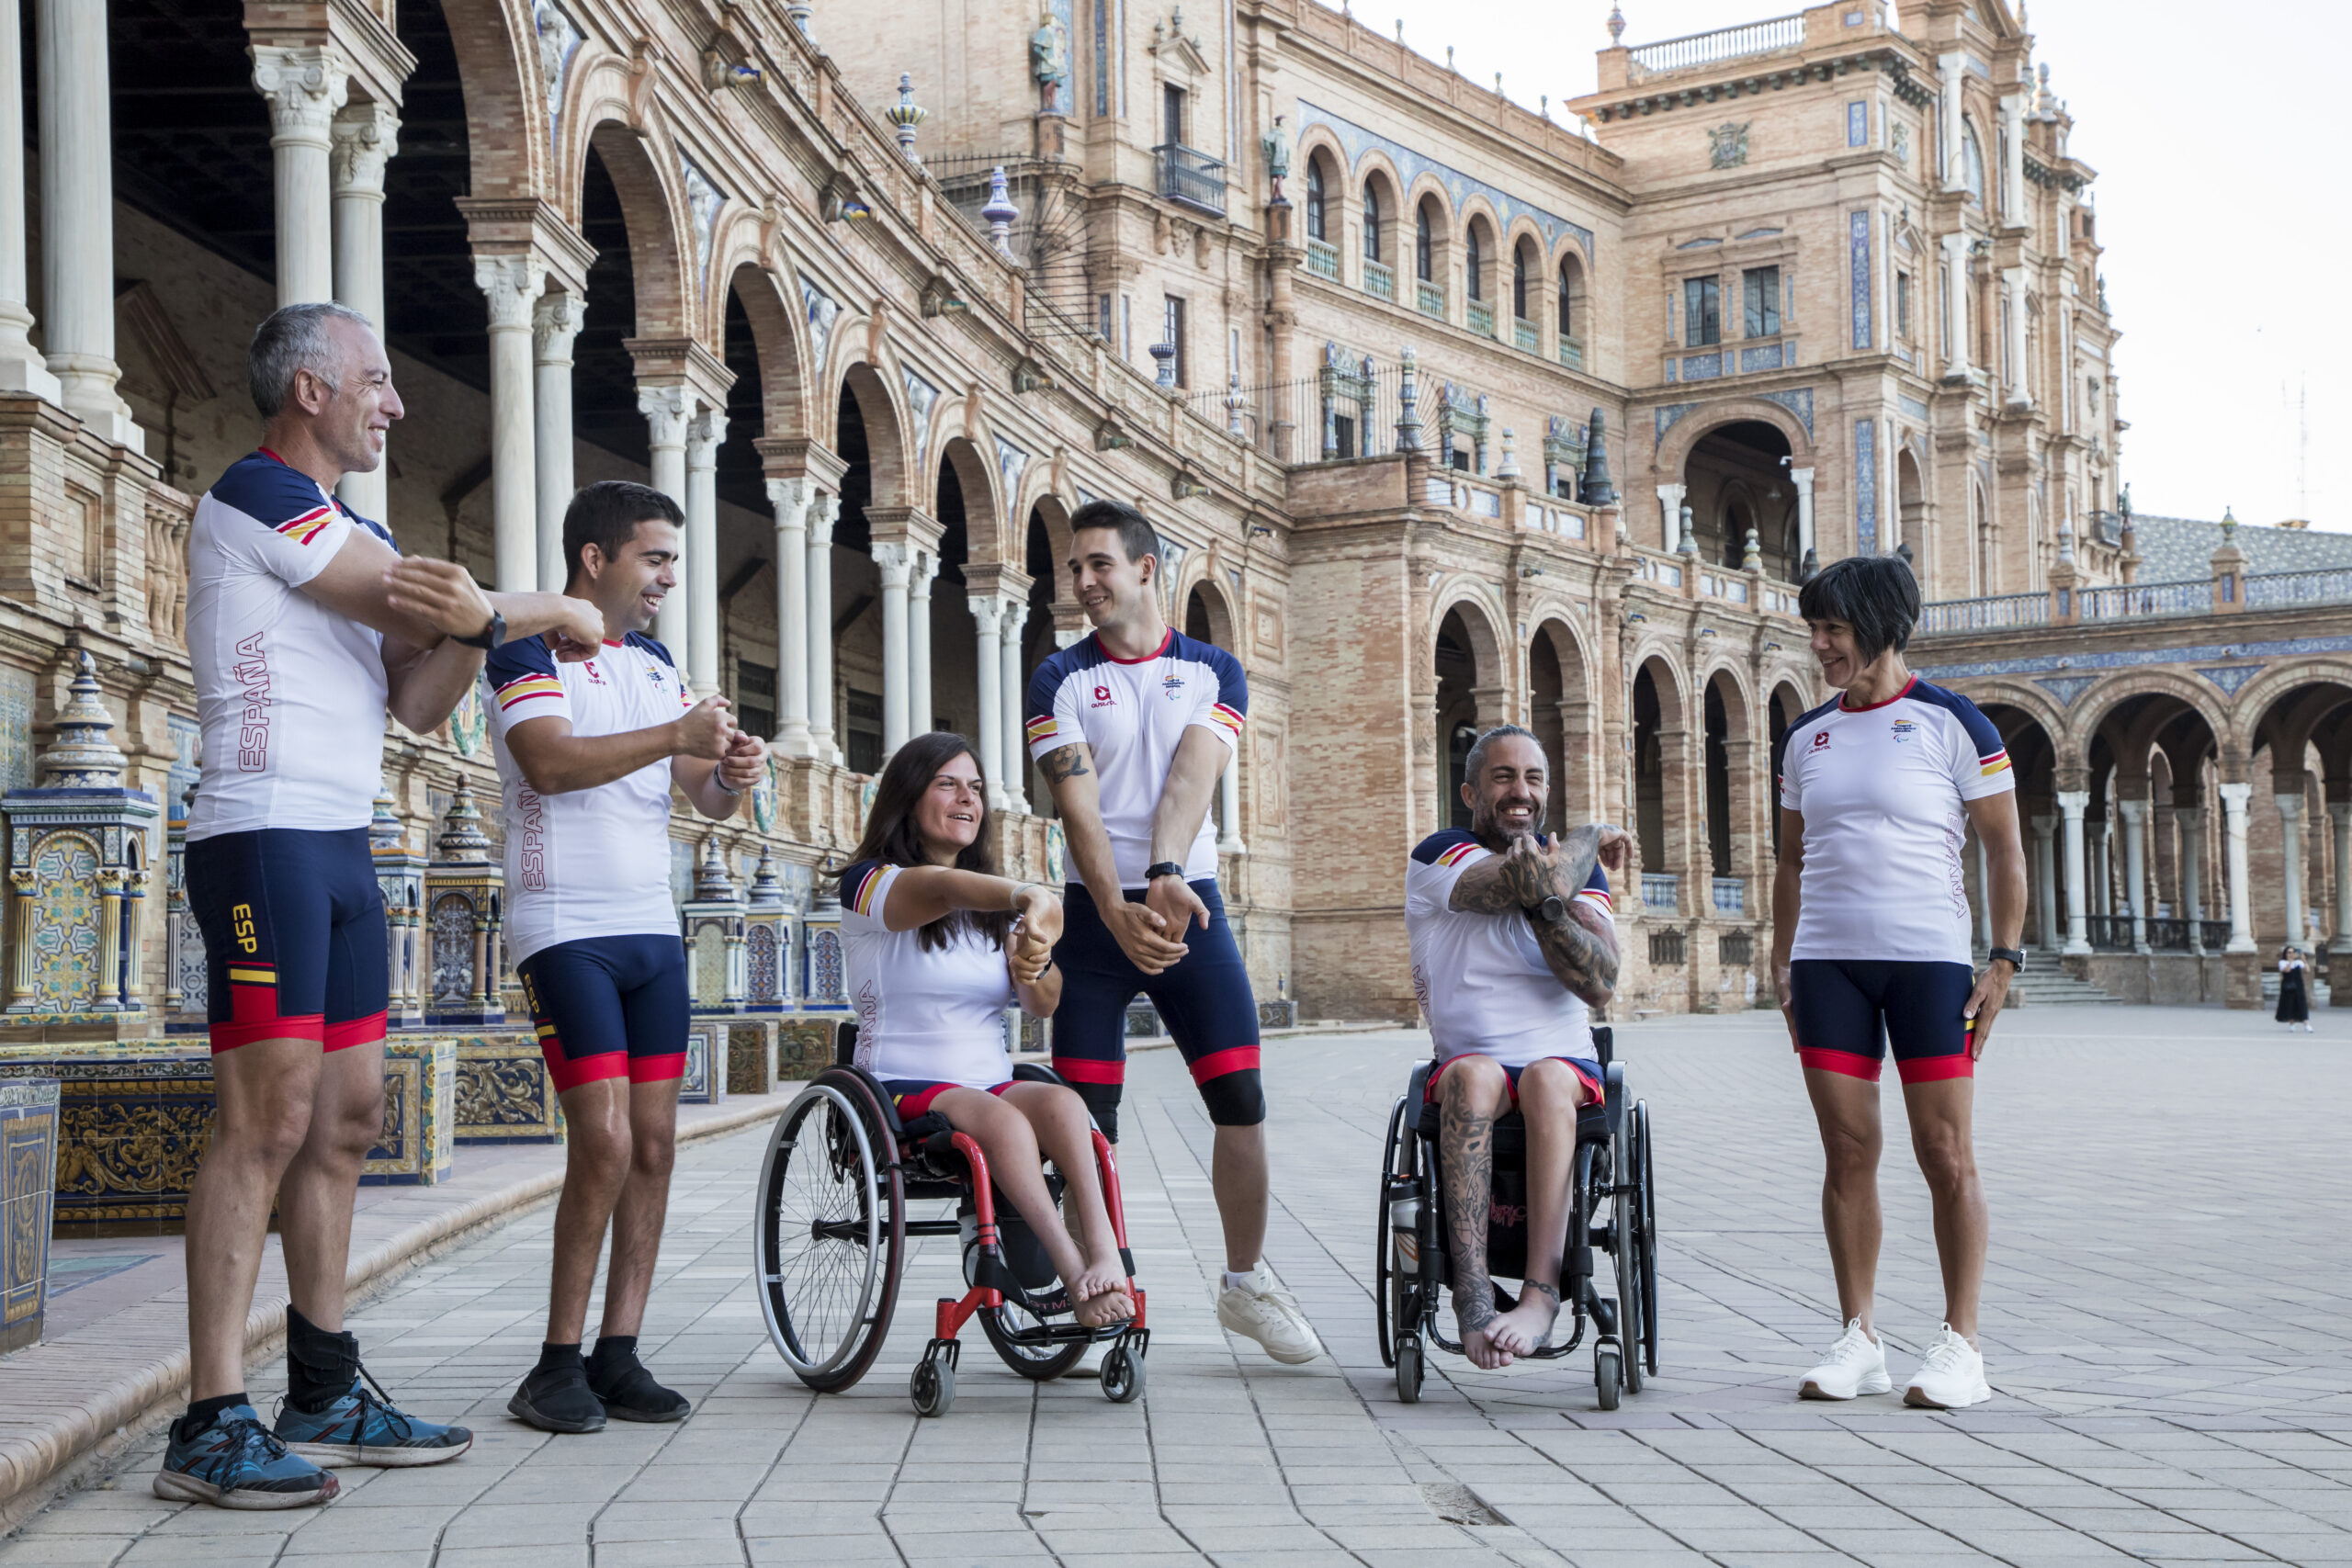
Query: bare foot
column 1100, row 1274
column 1527, row 1327
column 1104, row 1309
column 1478, row 1325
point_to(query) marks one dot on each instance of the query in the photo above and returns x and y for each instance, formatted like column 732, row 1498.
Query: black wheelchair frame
column 1611, row 1208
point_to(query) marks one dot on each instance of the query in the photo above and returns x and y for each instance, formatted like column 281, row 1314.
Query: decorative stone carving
column 464, row 887
column 767, row 942
column 400, row 874
column 713, row 919
column 1049, row 62
column 1727, row 145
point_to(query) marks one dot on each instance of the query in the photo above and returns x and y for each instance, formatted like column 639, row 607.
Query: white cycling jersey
column 1481, row 979
column 935, row 1016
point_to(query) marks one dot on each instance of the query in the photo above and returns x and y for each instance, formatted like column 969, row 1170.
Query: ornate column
column 555, row 322
column 513, row 284
column 822, row 515
column 988, row 612
column 895, row 558
column 704, row 436
column 77, row 217
column 2013, row 202
column 22, row 368
column 304, row 87
column 2339, row 821
column 2071, row 803
column 2135, row 869
column 1950, row 68
column 2045, row 883
column 2101, row 886
column 363, row 138
column 920, row 711
column 2013, row 332
column 667, row 411
column 2291, row 852
column 1670, row 504
column 2190, row 820
column 790, row 497
column 1809, row 562
column 2233, row 799
column 1956, row 356
column 1015, row 737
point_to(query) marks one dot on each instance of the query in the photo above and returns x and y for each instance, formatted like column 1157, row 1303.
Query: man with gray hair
column 306, row 626
column 1512, row 945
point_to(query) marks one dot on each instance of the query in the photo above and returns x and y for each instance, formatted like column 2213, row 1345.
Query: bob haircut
column 892, row 837
column 1138, row 537
column 1876, row 595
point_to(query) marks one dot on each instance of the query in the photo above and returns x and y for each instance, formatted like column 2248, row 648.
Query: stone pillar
column 22, row 368
column 2339, row 822
column 1956, row 353
column 555, row 322
column 2233, row 799
column 987, row 614
column 1803, row 479
column 705, row 435
column 2013, row 332
column 1228, row 805
column 2071, row 803
column 2191, row 820
column 305, row 87
column 2135, row 869
column 821, row 518
column 365, row 135
column 920, row 712
column 667, row 411
column 896, row 558
column 1950, row 69
column 77, row 216
column 2290, row 853
column 1015, row 737
column 2013, row 200
column 790, row 497
column 1670, row 504
column 2095, row 888
column 513, row 284
column 2045, row 883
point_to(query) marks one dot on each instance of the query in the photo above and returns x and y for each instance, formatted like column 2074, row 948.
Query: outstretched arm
column 1581, row 951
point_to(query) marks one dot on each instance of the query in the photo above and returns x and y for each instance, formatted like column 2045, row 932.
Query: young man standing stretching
column 1132, row 726
column 305, row 626
column 586, row 755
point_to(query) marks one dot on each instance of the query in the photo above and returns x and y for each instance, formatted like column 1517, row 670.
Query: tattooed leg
column 1473, row 1092
column 1549, row 1093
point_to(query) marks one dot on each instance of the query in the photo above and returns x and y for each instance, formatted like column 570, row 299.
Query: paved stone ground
column 2166, row 1329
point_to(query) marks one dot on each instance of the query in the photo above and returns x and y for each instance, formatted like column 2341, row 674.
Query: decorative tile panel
column 1866, row 486
column 1860, row 246
column 1857, row 124
column 1798, row 402
column 1702, row 366
column 28, row 1123
column 418, row 1146
column 15, row 728
column 1765, row 358
column 504, row 1092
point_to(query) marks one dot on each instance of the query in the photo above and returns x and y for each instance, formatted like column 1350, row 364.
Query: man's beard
column 1485, row 823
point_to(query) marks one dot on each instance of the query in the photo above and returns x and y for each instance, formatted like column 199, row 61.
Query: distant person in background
column 2294, row 1003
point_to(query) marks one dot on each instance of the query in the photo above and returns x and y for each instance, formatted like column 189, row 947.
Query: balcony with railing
column 2329, row 585
column 1323, row 260
column 1479, row 317
column 1731, row 896
column 1661, row 891
column 1191, row 176
column 1572, row 352
column 1697, row 50
column 1522, row 333
column 1431, row 298
column 2167, row 935
column 1380, row 279
column 2136, row 600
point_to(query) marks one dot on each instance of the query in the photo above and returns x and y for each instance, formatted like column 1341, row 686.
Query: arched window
column 1972, row 163
column 1421, row 245
column 1314, row 199
column 1518, row 285
column 1471, row 262
column 1370, row 222
column 1567, row 301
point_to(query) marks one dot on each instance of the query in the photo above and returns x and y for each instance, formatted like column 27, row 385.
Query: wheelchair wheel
column 1409, row 1368
column 1039, row 1363
column 932, row 1385
column 1122, row 1375
column 1389, row 1296
column 1646, row 1210
column 1625, row 1252
column 828, row 1244
column 1608, row 1373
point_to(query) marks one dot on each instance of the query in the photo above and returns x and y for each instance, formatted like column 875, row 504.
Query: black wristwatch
column 489, row 635
column 1552, row 911
column 2015, row 956
column 1163, row 868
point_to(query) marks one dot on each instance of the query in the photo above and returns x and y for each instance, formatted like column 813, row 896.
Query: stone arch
column 987, row 539
column 1571, row 283
column 1473, row 686
column 1201, row 588
column 2254, row 700
column 1911, row 511
column 776, row 346
column 1323, row 180
column 889, row 451
column 2090, row 712
column 2030, row 700
column 1375, row 173
column 1430, row 209
column 1528, row 279
column 1674, row 449
column 659, row 248
column 498, row 67
column 1484, row 269
column 1660, row 795
column 1561, row 711
column 1736, row 776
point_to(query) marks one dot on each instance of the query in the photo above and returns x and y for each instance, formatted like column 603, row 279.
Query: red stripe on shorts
column 1086, row 1069
column 1935, row 1069
column 568, row 1074
column 355, row 1031
column 657, row 1069
column 1216, row 1063
column 1845, row 1062
column 253, row 1015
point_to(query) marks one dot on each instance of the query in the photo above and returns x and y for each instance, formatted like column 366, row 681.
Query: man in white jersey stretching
column 305, row 626
column 1512, row 946
column 586, row 755
column 1133, row 726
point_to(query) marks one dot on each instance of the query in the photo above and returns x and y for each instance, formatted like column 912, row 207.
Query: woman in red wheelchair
column 937, row 946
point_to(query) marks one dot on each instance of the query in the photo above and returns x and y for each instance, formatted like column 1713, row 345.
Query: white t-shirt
column 1481, row 979
column 937, row 1017
column 1130, row 712
column 1883, row 791
column 291, row 694
column 589, row 862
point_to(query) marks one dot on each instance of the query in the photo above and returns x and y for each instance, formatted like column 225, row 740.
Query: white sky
column 2218, row 135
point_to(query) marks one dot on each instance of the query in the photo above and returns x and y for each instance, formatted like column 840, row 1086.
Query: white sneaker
column 1856, row 1364
column 1951, row 1374
column 1263, row 1310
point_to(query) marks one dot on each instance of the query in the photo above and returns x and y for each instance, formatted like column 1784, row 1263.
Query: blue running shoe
column 236, row 1464
column 363, row 1427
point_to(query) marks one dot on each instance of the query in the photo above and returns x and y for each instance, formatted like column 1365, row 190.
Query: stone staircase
column 2045, row 985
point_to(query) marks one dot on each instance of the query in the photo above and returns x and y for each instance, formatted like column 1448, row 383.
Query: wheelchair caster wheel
column 1122, row 1375
column 932, row 1387
column 1608, row 1373
column 1409, row 1368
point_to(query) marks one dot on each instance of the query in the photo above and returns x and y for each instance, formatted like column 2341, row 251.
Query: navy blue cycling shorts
column 1849, row 1011
column 1204, row 998
column 609, row 1006
column 294, row 936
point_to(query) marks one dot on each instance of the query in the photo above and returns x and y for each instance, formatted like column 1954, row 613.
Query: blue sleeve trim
column 1232, row 682
column 268, row 492
column 639, row 639
column 512, row 661
column 1045, row 684
column 1987, row 739
column 1599, row 881
column 1429, row 849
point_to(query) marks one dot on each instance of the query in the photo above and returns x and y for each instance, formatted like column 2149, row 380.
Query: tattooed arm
column 1580, row 951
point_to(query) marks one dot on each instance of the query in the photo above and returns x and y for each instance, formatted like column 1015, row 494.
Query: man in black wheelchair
column 1512, row 944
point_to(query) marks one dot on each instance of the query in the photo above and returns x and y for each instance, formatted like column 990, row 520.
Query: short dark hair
column 1137, row 538
column 892, row 838
column 1876, row 595
column 607, row 514
column 1475, row 757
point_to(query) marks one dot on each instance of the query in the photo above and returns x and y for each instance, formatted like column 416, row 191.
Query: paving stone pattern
column 2166, row 1330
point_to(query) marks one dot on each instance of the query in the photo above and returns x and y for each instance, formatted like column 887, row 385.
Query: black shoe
column 559, row 1399
column 629, row 1393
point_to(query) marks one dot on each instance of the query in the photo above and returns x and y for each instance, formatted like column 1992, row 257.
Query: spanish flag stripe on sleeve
column 305, row 528
column 863, row 899
column 1989, row 766
column 527, row 687
column 1229, row 718
column 1042, row 726
column 1457, row 855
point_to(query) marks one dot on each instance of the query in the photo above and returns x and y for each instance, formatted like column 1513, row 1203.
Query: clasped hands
column 708, row 730
column 1036, row 926
column 1539, row 866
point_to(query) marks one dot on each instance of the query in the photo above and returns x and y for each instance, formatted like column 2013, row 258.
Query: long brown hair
column 892, row 837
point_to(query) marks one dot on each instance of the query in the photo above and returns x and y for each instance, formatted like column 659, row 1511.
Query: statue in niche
column 1277, row 143
column 1049, row 62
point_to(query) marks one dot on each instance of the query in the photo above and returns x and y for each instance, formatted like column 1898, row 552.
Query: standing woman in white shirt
column 1870, row 936
column 937, row 946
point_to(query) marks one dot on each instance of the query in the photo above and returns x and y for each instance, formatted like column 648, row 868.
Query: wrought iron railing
column 2108, row 933
column 1731, row 896
column 1430, row 298
column 1479, row 317
column 1380, row 278
column 1191, row 176
column 1725, row 43
column 1323, row 259
column 2169, row 935
column 1572, row 352
column 1735, row 950
column 1661, row 889
column 1523, row 334
column 1667, row 948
